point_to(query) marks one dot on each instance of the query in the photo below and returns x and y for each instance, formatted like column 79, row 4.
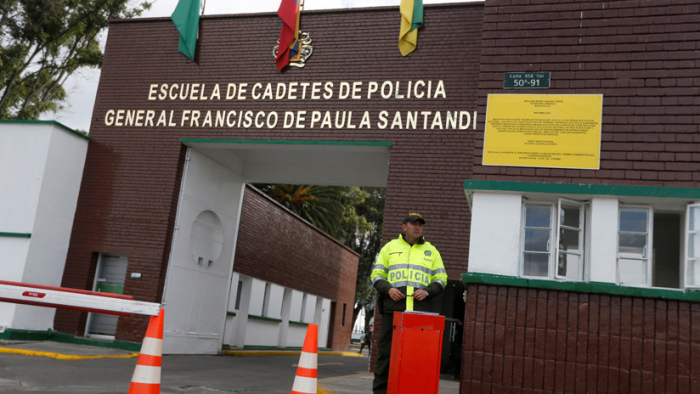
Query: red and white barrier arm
column 81, row 300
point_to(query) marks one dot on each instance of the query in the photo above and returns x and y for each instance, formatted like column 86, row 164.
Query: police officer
column 408, row 273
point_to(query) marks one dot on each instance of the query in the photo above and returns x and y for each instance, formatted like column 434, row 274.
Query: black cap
column 412, row 217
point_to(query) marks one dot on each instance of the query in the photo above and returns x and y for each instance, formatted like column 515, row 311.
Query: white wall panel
column 603, row 255
column 262, row 333
column 41, row 167
column 276, row 297
column 23, row 153
column 295, row 312
column 197, row 296
column 257, row 297
column 53, row 223
column 494, row 244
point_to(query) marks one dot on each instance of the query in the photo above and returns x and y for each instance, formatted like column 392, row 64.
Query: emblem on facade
column 304, row 50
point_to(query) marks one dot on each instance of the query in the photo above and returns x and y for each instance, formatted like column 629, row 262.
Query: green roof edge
column 581, row 287
column 571, row 188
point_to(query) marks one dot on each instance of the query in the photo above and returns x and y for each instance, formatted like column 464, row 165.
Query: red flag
column 289, row 12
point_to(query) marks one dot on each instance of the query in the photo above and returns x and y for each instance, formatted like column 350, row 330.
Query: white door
column 109, row 278
column 201, row 260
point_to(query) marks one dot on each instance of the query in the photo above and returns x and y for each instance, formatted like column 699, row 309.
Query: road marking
column 59, row 356
column 324, row 390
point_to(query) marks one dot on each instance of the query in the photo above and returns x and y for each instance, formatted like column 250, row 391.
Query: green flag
column 186, row 19
column 417, row 14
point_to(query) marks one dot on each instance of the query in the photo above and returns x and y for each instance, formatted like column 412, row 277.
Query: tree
column 320, row 205
column 367, row 243
column 43, row 42
column 351, row 215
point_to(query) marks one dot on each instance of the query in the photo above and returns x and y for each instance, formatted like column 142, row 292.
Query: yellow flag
column 411, row 20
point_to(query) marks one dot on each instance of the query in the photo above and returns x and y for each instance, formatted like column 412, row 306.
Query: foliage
column 43, row 42
column 320, row 205
column 367, row 244
column 351, row 215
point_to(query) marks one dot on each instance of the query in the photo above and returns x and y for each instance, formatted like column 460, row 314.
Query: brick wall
column 641, row 55
column 132, row 175
column 529, row 340
column 278, row 246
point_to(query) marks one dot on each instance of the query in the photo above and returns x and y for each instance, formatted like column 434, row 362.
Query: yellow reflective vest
column 413, row 267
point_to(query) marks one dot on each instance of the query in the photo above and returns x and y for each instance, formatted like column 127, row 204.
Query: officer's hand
column 395, row 294
column 419, row 295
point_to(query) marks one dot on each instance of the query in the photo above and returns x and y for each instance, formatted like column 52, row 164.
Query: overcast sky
column 82, row 86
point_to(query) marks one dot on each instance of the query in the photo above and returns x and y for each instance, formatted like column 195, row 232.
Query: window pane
column 569, row 240
column 535, row 264
column 536, row 240
column 693, row 245
column 632, row 272
column 633, row 244
column 570, row 216
column 538, row 216
column 694, row 218
column 569, row 266
column 634, row 220
column 693, row 277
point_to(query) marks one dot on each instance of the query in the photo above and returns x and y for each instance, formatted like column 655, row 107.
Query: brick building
column 605, row 317
column 619, row 327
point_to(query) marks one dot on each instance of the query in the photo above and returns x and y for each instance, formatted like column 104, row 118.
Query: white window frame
column 523, row 228
column 555, row 227
column 581, row 239
column 646, row 255
column 687, row 277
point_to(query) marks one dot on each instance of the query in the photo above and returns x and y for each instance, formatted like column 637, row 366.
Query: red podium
column 416, row 349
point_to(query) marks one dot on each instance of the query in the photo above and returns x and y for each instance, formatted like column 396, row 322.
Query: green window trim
column 272, row 319
column 16, row 235
column 581, row 287
column 256, row 317
column 471, row 185
column 50, row 122
column 284, row 142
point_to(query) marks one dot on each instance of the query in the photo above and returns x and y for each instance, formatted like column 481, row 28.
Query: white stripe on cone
column 146, row 374
column 304, row 385
column 152, row 346
column 308, row 360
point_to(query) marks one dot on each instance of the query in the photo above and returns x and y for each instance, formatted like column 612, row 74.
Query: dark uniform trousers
column 381, row 368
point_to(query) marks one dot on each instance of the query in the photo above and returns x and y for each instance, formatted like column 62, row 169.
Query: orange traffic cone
column 307, row 371
column 146, row 379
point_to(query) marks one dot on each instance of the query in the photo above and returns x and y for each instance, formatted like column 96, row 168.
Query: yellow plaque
column 543, row 130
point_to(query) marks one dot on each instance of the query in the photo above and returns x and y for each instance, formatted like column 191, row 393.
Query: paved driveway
column 19, row 373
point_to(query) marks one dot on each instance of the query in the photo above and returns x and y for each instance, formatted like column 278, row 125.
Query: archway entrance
column 201, row 262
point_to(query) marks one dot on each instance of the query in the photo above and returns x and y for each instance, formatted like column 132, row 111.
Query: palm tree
column 322, row 206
